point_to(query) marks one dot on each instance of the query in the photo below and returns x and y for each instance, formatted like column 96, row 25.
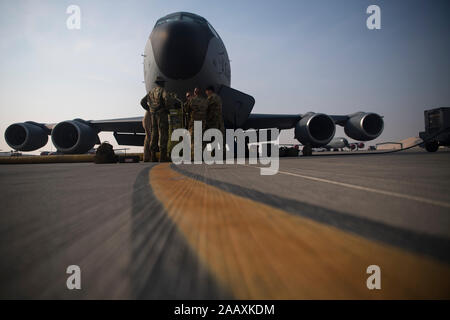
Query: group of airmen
column 166, row 112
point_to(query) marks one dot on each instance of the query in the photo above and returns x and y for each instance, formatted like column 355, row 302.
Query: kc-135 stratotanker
column 187, row 52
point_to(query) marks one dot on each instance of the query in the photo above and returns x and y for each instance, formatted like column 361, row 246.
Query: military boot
column 163, row 156
column 153, row 157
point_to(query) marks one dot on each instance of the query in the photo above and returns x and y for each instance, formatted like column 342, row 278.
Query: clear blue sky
column 292, row 56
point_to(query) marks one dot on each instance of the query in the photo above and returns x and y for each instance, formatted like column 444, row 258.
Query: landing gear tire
column 432, row 146
column 307, row 151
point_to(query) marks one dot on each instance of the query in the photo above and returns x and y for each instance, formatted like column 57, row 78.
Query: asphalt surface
column 396, row 179
column 135, row 237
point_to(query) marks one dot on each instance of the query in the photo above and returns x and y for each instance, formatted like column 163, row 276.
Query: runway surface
column 225, row 231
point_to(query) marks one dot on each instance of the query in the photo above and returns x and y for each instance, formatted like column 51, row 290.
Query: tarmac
column 161, row 231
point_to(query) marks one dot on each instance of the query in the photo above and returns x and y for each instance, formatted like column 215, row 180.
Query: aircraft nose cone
column 180, row 48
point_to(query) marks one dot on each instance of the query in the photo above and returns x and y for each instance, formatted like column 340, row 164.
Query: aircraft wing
column 237, row 107
column 318, row 129
column 73, row 136
column 79, row 136
column 264, row 121
column 127, row 131
column 124, row 125
column 283, row 121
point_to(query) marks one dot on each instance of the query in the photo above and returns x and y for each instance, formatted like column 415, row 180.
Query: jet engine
column 315, row 129
column 74, row 137
column 27, row 136
column 364, row 126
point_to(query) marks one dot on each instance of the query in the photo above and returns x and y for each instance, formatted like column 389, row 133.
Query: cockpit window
column 185, row 17
column 160, row 22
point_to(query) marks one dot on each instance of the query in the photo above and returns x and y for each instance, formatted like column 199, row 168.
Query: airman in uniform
column 214, row 118
column 147, row 124
column 197, row 109
column 186, row 114
column 175, row 118
column 158, row 102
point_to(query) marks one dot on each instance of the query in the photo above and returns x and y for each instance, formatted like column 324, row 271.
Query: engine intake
column 27, row 136
column 364, row 126
column 315, row 129
column 74, row 137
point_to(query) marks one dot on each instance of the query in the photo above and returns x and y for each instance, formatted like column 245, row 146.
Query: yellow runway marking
column 260, row 252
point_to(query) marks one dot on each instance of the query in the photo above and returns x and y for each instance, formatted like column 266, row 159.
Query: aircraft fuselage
column 187, row 52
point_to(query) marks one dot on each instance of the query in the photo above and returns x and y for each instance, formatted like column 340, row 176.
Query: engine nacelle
column 27, row 136
column 315, row 129
column 74, row 137
column 364, row 126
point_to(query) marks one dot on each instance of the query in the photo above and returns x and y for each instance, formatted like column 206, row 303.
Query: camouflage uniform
column 186, row 114
column 214, row 118
column 197, row 109
column 175, row 122
column 158, row 102
column 147, row 124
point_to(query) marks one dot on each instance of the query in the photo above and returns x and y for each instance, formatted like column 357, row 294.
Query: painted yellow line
column 353, row 186
column 260, row 252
